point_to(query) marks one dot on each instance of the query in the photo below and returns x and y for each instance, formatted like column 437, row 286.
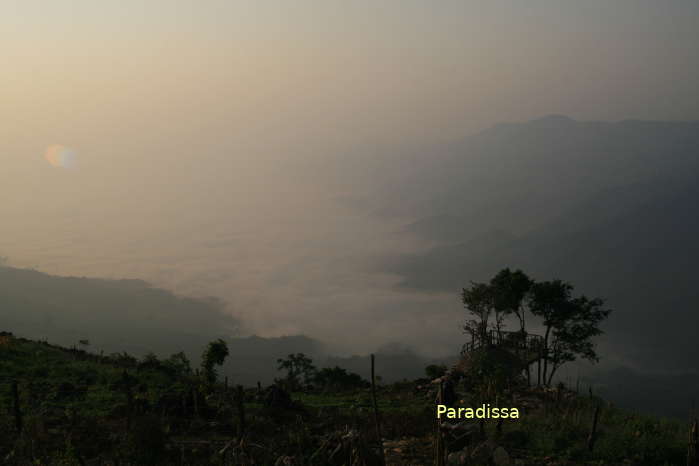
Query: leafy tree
column 550, row 300
column 149, row 361
column 572, row 338
column 509, row 291
column 296, row 366
column 339, row 379
column 214, row 355
column 478, row 301
column 123, row 359
column 570, row 323
column 178, row 364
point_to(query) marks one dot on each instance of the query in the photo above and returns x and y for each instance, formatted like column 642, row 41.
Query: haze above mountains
column 325, row 176
column 607, row 206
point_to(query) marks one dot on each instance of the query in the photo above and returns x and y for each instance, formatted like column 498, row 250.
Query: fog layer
column 242, row 149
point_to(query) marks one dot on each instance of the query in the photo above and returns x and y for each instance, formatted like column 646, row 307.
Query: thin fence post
column 16, row 407
column 377, row 415
column 241, row 410
column 195, row 396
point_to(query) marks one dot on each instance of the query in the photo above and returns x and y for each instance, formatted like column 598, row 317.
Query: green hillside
column 75, row 407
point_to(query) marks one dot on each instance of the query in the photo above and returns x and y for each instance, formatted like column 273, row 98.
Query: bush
column 339, row 379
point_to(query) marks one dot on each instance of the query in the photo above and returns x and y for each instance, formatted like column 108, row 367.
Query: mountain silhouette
column 607, row 206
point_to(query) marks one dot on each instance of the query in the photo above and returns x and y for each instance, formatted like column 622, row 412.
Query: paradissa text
column 484, row 412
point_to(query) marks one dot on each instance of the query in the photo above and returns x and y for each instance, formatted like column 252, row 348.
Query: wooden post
column 16, row 407
column 692, row 454
column 538, row 370
column 241, row 411
column 439, row 439
column 377, row 416
column 593, row 431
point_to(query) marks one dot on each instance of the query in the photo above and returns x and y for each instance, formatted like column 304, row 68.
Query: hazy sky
column 212, row 138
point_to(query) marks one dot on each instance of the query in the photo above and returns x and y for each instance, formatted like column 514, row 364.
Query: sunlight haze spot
column 60, row 156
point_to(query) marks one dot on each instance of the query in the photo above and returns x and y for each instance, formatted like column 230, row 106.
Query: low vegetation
column 68, row 406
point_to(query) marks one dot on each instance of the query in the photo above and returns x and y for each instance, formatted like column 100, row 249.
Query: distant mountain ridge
column 111, row 313
column 133, row 316
column 607, row 206
column 610, row 207
column 519, row 176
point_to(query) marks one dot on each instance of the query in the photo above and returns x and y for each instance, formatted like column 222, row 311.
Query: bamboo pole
column 593, row 431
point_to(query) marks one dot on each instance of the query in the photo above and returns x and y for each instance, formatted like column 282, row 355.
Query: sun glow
column 60, row 156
